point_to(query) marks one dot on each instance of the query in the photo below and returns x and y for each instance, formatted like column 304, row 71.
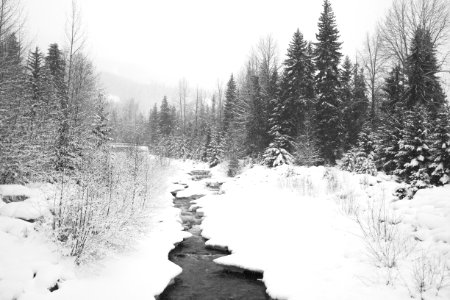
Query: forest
column 84, row 176
column 385, row 111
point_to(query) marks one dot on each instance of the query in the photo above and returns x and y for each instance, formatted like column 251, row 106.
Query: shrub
column 358, row 162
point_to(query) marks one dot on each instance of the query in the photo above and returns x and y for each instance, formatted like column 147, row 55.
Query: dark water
column 201, row 277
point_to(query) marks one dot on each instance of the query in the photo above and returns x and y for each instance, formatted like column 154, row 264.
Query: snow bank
column 15, row 227
column 28, row 263
column 15, row 190
column 429, row 214
column 31, row 268
column 35, row 206
column 294, row 225
column 143, row 272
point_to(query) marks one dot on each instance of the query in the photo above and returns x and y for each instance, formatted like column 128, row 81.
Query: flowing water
column 201, row 277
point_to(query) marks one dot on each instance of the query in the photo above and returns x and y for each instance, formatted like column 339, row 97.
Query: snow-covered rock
column 29, row 210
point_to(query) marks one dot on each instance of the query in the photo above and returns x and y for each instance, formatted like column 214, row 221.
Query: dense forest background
column 384, row 110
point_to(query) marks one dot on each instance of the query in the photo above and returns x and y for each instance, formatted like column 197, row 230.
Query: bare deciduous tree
column 403, row 19
column 220, row 99
column 267, row 57
column 75, row 37
column 374, row 66
column 182, row 93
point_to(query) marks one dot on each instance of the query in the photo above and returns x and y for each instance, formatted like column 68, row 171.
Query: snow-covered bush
column 439, row 141
column 332, row 178
column 348, row 202
column 430, row 273
column 358, row 162
column 277, row 154
column 386, row 244
column 104, row 206
column 233, row 167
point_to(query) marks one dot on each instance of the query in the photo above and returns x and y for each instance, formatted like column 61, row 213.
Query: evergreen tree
column 56, row 65
column 423, row 85
column 306, row 151
column 43, row 109
column 413, row 154
column 101, row 130
column 388, row 138
column 439, row 142
column 279, row 152
column 256, row 132
column 64, row 145
column 327, row 58
column 347, row 99
column 153, row 124
column 165, row 118
column 215, row 149
column 14, row 146
column 360, row 105
column 394, row 88
column 298, row 83
column 230, row 104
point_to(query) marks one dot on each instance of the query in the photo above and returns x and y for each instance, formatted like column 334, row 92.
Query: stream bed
column 201, row 277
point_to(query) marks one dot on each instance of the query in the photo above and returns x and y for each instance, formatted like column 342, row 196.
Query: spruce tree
column 394, row 89
column 230, row 104
column 439, row 141
column 256, row 132
column 215, row 150
column 101, row 128
column 64, row 156
column 153, row 124
column 327, row 58
column 347, row 99
column 298, row 83
column 165, row 118
column 413, row 154
column 279, row 152
column 388, row 137
column 423, row 84
column 360, row 105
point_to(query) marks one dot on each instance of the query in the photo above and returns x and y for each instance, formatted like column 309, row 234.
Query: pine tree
column 42, row 106
column 388, row 137
column 256, row 126
column 298, row 83
column 101, row 130
column 394, row 89
column 347, row 99
column 413, row 154
column 360, row 105
column 165, row 118
column 14, row 147
column 56, row 65
column 306, row 151
column 153, row 124
column 327, row 58
column 439, row 141
column 230, row 104
column 423, row 85
column 64, row 156
column 279, row 152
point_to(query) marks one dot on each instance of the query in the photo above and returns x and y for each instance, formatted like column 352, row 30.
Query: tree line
column 52, row 112
column 385, row 111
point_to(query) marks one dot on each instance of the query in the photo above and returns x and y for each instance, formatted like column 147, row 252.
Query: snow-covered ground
column 311, row 231
column 30, row 264
column 299, row 226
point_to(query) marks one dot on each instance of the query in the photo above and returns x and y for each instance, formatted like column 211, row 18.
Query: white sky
column 202, row 40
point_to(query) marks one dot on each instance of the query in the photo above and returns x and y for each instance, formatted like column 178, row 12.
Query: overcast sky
column 202, row 40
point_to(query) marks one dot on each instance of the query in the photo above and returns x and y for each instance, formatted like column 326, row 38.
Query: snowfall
column 310, row 231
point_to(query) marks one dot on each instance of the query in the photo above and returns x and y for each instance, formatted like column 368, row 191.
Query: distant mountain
column 144, row 94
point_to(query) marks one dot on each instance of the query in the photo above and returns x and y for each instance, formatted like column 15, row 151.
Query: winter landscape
column 224, row 150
